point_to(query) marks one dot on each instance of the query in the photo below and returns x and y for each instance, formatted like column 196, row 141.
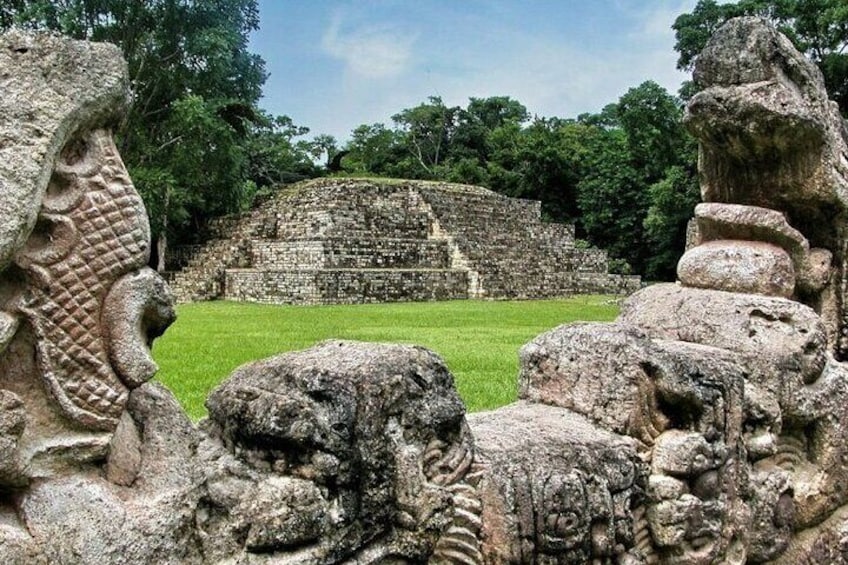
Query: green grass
column 479, row 340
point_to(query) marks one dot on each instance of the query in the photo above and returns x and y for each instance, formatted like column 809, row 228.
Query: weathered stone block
column 738, row 266
column 627, row 383
column 783, row 342
column 554, row 486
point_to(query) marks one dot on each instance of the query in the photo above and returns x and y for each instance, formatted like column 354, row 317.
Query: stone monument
column 706, row 425
column 354, row 241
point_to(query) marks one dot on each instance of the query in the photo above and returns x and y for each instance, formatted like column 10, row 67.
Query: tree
column 274, row 154
column 612, row 199
column 427, row 130
column 165, row 203
column 818, row 28
column 478, row 121
column 653, row 122
column 672, row 202
column 550, row 161
column 373, row 149
column 625, row 176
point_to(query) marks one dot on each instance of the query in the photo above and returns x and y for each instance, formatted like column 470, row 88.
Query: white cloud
column 552, row 75
column 373, row 52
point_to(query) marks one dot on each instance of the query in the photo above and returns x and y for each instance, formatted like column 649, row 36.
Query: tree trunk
column 161, row 249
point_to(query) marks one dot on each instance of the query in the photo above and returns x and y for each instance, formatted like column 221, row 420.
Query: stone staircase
column 203, row 277
column 518, row 255
column 331, row 241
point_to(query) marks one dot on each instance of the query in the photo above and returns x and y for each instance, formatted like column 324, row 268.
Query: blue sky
column 336, row 64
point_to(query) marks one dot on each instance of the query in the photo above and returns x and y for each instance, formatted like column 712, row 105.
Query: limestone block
column 717, row 221
column 773, row 513
column 821, row 480
column 669, row 519
column 770, row 136
column 12, row 422
column 168, row 442
column 664, row 487
column 738, row 266
column 554, row 485
column 124, row 461
column 80, row 517
column 283, row 513
column 137, row 309
column 816, row 272
column 783, row 342
column 627, row 383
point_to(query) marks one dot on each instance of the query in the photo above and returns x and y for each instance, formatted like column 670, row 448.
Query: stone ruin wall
column 353, row 286
column 353, row 241
column 708, row 424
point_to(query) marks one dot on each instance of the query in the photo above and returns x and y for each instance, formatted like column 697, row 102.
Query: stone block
column 738, row 266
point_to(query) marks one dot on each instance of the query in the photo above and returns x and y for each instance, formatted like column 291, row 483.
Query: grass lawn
column 479, row 340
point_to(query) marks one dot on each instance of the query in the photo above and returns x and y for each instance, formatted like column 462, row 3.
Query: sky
column 337, row 64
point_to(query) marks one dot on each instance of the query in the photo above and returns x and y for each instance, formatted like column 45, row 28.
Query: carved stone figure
column 364, row 441
column 79, row 303
column 771, row 140
column 706, row 425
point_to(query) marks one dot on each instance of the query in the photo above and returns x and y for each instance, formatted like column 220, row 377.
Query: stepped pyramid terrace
column 340, row 241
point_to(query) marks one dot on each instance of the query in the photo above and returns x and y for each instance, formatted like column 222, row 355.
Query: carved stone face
column 378, row 428
column 82, row 291
column 91, row 233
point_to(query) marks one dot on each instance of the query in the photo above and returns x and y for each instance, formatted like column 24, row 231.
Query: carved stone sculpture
column 364, row 441
column 771, row 140
column 79, row 303
column 706, row 425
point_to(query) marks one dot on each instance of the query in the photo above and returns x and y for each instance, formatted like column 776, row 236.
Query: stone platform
column 343, row 241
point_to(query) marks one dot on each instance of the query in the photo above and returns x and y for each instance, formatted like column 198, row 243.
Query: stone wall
column 344, row 286
column 300, row 245
column 350, row 253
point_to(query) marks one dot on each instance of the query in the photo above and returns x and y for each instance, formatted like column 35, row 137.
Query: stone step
column 344, row 286
column 413, row 226
column 350, row 253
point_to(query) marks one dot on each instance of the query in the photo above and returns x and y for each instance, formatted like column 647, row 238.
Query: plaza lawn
column 479, row 340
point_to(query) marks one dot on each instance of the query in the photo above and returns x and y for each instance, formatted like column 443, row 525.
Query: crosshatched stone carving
column 82, row 235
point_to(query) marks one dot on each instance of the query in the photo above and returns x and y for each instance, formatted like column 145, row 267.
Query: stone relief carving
column 76, row 293
column 706, row 425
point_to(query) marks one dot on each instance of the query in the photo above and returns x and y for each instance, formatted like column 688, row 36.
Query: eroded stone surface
column 57, row 88
column 683, row 402
column 770, row 137
column 784, row 342
column 581, row 484
column 378, row 428
column 738, row 266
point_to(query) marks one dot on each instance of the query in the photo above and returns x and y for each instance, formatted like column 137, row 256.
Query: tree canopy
column 625, row 176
